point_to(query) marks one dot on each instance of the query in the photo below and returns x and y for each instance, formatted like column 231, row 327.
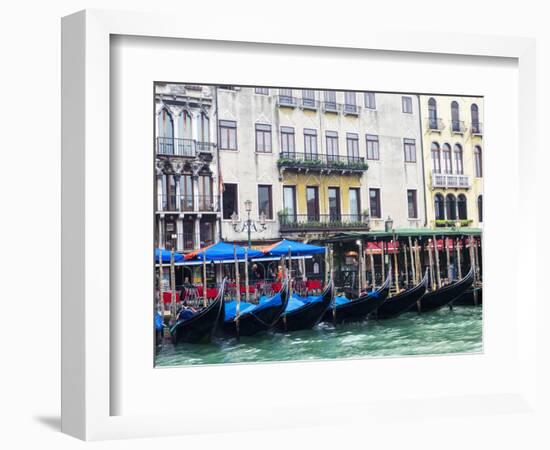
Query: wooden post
column 472, row 258
column 372, row 272
column 361, row 268
column 327, row 263
column 419, row 272
column 289, row 274
column 459, row 257
column 413, row 265
column 438, row 272
column 383, row 262
column 161, row 290
column 204, row 301
column 476, row 258
column 396, row 265
column 246, row 288
column 173, row 285
column 238, row 288
column 448, row 261
column 406, row 264
column 430, row 257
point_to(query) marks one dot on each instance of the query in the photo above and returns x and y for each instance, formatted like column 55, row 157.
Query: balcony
column 458, row 127
column 331, row 107
column 321, row 163
column 188, row 203
column 350, row 110
column 184, row 148
column 449, row 181
column 322, row 222
column 435, row 124
column 477, row 129
column 286, row 101
column 309, row 104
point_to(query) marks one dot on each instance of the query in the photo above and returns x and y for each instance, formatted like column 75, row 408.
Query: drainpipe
column 425, row 188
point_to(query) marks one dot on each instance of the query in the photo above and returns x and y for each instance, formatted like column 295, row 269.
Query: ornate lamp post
column 249, row 225
column 388, row 224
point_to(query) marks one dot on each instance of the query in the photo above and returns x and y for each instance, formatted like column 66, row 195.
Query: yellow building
column 452, row 135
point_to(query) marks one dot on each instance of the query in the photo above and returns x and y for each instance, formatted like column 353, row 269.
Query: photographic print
column 298, row 224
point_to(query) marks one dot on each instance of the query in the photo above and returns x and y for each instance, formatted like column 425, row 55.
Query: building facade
column 187, row 207
column 453, row 157
column 305, row 164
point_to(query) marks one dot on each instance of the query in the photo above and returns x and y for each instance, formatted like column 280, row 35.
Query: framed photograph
column 277, row 230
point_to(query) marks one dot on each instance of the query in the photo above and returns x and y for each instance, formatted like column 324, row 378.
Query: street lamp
column 388, row 224
column 249, row 225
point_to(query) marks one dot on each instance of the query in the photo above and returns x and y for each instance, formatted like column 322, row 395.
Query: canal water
column 435, row 333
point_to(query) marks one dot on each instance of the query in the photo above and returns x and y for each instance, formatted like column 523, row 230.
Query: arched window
column 447, row 159
column 459, row 165
column 185, row 125
column 436, row 158
column 204, row 128
column 432, row 114
column 478, row 161
column 462, row 207
column 475, row 118
column 455, row 116
column 451, row 207
column 165, row 133
column 439, row 205
column 480, row 208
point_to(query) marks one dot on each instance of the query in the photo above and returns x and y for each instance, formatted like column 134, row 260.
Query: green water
column 439, row 332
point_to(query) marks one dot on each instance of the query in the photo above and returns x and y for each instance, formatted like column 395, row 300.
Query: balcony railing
column 309, row 161
column 186, row 148
column 350, row 110
column 331, row 107
column 309, row 103
column 287, row 101
column 434, row 124
column 322, row 222
column 188, row 203
column 447, row 180
column 458, row 127
column 477, row 129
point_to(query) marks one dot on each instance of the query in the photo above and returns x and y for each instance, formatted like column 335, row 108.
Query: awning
column 166, row 256
column 222, row 251
column 294, row 247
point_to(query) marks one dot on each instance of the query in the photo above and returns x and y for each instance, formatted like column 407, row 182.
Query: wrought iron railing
column 188, row 203
column 458, row 127
column 287, row 100
column 186, row 148
column 350, row 109
column 434, row 124
column 178, row 241
column 309, row 103
column 320, row 222
column 477, row 128
column 315, row 161
column 331, row 107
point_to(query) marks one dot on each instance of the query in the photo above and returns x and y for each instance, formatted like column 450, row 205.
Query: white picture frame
column 87, row 355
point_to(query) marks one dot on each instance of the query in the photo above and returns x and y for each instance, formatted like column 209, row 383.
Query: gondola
column 472, row 297
column 303, row 313
column 252, row 318
column 445, row 295
column 200, row 326
column 345, row 310
column 402, row 302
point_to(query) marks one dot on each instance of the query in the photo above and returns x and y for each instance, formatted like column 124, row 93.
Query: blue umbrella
column 222, row 251
column 296, row 249
column 166, row 255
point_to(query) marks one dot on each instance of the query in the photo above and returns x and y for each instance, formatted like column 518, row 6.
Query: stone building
column 453, row 156
column 187, row 200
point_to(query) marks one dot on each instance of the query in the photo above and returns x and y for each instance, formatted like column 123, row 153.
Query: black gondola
column 307, row 315
column 446, row 294
column 257, row 318
column 358, row 309
column 402, row 302
column 472, row 297
column 202, row 325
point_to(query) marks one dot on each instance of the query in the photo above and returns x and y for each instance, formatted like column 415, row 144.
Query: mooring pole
column 204, row 298
column 438, row 271
column 413, row 265
column 459, row 257
column 173, row 284
column 430, row 259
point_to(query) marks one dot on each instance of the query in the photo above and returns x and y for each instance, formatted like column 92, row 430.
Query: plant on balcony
column 311, row 162
column 287, row 162
column 465, row 222
column 444, row 223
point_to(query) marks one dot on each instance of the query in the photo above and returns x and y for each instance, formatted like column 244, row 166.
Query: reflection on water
column 439, row 332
